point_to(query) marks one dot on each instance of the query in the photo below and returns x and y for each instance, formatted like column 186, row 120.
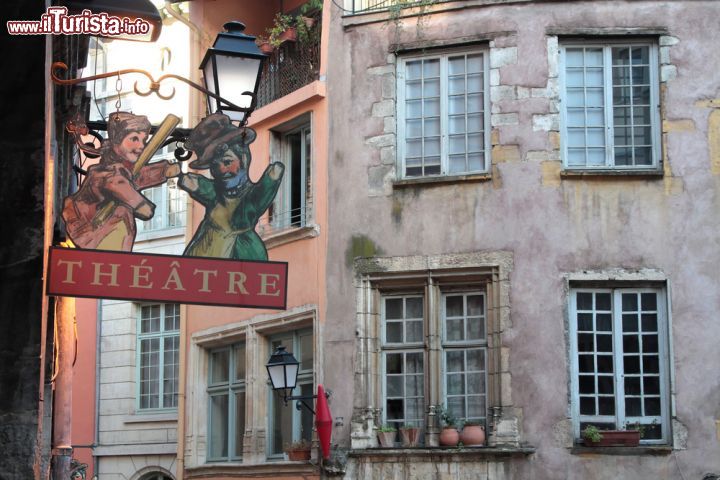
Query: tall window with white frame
column 620, row 360
column 443, row 114
column 293, row 204
column 465, row 349
column 158, row 352
column 610, row 105
column 461, row 323
column 226, row 393
column 287, row 424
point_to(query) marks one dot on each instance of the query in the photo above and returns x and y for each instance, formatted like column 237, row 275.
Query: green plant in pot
column 449, row 436
column 386, row 436
column 283, row 30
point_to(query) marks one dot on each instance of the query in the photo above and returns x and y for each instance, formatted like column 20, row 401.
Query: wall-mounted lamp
column 231, row 70
column 283, row 371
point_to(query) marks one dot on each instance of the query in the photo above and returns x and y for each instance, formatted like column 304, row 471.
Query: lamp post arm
column 154, row 84
column 301, row 400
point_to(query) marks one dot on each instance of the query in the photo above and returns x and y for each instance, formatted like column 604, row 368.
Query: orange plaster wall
column 83, row 399
column 306, row 257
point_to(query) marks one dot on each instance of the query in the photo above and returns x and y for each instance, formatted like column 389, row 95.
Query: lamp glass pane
column 292, row 373
column 277, row 376
column 209, row 77
column 235, row 76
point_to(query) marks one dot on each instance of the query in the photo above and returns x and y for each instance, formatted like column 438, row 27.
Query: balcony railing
column 279, row 222
column 290, row 67
column 362, row 6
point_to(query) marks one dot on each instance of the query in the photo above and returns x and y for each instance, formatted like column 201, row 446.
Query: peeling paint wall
column 553, row 223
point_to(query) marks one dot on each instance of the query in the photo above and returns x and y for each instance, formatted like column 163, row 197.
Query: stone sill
column 643, row 450
column 293, row 234
column 436, row 454
column 612, row 174
column 270, row 469
column 441, row 180
column 151, row 417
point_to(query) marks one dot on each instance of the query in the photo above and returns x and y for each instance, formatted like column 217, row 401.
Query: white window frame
column 656, row 149
column 231, row 388
column 162, row 335
column 282, row 216
column 620, row 418
column 162, row 206
column 443, row 56
column 433, row 321
column 305, row 377
column 463, row 346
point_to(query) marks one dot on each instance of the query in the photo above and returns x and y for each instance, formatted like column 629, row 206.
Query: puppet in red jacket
column 101, row 215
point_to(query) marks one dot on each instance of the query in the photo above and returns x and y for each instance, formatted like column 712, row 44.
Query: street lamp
column 283, row 371
column 231, row 70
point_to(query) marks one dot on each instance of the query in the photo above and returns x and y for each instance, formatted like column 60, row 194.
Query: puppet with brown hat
column 233, row 204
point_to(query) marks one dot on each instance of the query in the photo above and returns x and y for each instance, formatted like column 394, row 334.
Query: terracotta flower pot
column 289, row 35
column 616, row 438
column 473, row 435
column 449, row 437
column 299, row 455
column 386, row 439
column 309, row 21
column 266, row 48
column 410, row 436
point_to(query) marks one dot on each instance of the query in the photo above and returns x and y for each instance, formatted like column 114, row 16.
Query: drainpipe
column 62, row 398
column 98, row 352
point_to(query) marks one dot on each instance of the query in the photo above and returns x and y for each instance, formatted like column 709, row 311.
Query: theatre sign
column 225, row 263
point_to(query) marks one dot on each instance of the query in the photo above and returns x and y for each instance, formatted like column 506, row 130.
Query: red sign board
column 167, row 278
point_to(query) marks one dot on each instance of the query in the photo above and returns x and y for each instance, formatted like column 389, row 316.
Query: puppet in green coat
column 233, row 204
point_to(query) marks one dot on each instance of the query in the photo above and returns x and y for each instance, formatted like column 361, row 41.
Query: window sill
column 269, row 469
column 641, row 450
column 439, row 453
column 151, row 417
column 293, row 234
column 613, row 174
column 441, row 180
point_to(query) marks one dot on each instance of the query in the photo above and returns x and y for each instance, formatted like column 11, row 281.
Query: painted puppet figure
column 101, row 214
column 233, row 204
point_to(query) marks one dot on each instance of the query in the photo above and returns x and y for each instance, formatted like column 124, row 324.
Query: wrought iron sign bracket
column 301, row 400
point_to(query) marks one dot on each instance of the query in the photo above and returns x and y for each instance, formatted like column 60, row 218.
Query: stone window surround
column 255, row 332
column 377, row 273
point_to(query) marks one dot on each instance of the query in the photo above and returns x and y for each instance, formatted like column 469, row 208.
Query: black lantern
column 283, row 371
column 232, row 69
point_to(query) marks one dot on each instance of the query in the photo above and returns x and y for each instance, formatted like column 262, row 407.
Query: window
column 610, row 106
column 442, row 114
column 293, row 204
column 287, row 424
column 461, row 323
column 619, row 360
column 226, row 392
column 158, row 349
column 170, row 202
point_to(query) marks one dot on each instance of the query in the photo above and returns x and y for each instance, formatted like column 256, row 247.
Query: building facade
column 523, row 212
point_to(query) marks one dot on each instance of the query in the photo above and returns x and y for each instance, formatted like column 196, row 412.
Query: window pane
column 394, row 332
column 455, row 361
column 282, row 424
column 240, row 362
column 171, row 363
column 218, row 426
column 220, row 366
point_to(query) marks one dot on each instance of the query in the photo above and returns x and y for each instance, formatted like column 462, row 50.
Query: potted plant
column 298, row 451
column 309, row 8
column 594, row 437
column 449, row 436
column 473, row 434
column 282, row 30
column 386, row 436
column 410, row 435
column 264, row 44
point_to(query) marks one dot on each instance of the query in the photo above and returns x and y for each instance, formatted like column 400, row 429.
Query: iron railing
column 278, row 222
column 290, row 67
column 362, row 6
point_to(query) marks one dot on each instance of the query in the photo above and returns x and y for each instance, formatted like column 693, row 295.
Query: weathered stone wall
column 553, row 223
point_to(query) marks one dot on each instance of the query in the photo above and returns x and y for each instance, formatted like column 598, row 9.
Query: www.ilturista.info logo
column 57, row 22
